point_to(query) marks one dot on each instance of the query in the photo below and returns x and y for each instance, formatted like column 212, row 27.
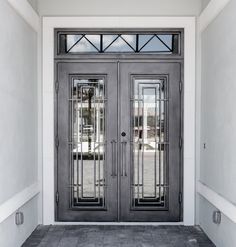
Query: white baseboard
column 226, row 207
column 13, row 204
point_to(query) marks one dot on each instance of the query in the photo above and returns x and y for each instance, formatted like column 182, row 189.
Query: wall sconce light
column 19, row 218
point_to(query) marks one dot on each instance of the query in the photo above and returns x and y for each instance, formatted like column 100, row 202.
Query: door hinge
column 57, row 141
column 180, row 142
column 57, row 197
column 180, row 197
column 57, row 86
column 180, row 86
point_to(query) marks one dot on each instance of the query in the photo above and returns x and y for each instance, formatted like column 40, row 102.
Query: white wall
column 218, row 124
column 222, row 235
column 34, row 4
column 14, row 236
column 18, row 100
column 121, row 7
column 205, row 3
column 18, row 111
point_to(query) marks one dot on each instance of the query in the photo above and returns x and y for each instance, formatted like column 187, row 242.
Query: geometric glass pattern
column 87, row 145
column 150, row 144
column 113, row 43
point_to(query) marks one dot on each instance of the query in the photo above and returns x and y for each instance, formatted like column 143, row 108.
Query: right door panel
column 150, row 160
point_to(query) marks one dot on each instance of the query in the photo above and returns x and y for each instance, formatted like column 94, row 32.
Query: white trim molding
column 210, row 12
column 189, row 26
column 25, row 10
column 17, row 201
column 226, row 207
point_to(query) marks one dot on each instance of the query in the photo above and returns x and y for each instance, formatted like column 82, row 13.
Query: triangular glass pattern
column 71, row 41
column 167, row 39
column 108, row 39
column 132, row 43
column 121, row 45
column 95, row 40
column 155, row 45
column 83, row 46
column 143, row 39
column 130, row 39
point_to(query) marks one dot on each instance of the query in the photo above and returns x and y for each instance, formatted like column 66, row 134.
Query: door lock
column 123, row 134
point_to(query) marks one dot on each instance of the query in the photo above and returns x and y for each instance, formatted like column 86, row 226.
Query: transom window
column 77, row 43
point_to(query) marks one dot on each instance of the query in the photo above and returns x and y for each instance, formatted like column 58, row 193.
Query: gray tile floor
column 118, row 236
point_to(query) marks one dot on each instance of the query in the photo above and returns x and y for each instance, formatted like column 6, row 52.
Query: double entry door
column 118, row 133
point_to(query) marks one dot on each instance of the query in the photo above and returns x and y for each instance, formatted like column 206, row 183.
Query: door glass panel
column 87, row 135
column 150, row 143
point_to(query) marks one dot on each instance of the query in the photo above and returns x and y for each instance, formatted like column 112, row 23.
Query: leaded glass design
column 115, row 43
column 87, row 134
column 150, row 143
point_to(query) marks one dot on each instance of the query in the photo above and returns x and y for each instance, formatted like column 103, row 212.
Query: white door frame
column 188, row 24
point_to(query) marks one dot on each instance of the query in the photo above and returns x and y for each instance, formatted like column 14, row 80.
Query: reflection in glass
column 71, row 40
column 83, row 43
column 108, row 39
column 121, row 43
column 152, row 43
column 150, row 141
column 112, row 43
column 167, row 39
column 87, row 145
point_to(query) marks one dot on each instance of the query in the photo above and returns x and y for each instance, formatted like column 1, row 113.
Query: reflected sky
column 119, row 43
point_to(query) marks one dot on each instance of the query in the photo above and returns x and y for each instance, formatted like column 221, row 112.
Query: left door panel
column 86, row 141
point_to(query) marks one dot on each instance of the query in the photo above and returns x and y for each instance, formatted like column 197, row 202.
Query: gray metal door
column 118, row 142
column 150, row 141
column 86, row 134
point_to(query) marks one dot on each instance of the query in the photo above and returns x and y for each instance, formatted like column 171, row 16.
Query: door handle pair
column 114, row 160
column 123, row 159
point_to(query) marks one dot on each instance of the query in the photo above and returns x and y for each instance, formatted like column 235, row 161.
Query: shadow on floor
column 118, row 236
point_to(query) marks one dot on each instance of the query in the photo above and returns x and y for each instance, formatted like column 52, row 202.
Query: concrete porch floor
column 118, row 236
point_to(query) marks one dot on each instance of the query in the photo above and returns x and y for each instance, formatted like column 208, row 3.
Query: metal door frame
column 132, row 58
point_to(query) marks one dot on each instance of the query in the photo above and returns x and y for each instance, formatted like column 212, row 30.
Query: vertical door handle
column 113, row 159
column 123, row 159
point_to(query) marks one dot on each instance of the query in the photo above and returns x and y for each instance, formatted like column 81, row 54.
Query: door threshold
column 120, row 223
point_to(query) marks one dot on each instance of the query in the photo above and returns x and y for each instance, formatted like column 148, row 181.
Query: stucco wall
column 218, row 120
column 18, row 124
